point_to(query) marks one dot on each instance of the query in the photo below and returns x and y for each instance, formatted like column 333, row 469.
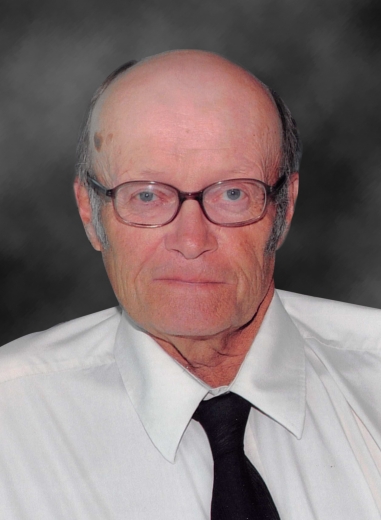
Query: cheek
column 255, row 271
column 129, row 253
column 253, row 266
column 246, row 246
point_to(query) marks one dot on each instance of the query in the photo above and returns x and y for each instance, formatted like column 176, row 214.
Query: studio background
column 322, row 56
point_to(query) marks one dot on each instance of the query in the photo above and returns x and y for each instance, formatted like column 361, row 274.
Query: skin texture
column 189, row 119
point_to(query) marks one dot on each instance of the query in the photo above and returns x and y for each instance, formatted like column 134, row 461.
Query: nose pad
column 191, row 234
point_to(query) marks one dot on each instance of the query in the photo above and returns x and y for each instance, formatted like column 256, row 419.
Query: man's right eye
column 146, row 196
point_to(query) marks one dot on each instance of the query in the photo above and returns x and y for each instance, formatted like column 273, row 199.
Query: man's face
column 190, row 277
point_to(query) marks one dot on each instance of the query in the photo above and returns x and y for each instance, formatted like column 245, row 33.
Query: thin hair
column 84, row 155
column 291, row 155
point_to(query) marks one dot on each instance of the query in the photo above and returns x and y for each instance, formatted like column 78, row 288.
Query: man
column 187, row 185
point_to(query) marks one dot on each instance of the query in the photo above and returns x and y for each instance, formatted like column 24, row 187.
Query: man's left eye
column 233, row 194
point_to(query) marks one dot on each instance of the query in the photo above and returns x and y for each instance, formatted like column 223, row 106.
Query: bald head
column 181, row 91
column 186, row 98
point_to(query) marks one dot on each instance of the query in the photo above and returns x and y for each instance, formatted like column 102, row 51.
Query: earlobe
column 84, row 208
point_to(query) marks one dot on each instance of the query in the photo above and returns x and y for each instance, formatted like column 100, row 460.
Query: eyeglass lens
column 226, row 202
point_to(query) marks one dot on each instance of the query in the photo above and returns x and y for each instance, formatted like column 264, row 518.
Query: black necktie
column 239, row 492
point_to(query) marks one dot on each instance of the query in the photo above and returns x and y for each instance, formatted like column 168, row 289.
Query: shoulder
column 338, row 324
column 75, row 344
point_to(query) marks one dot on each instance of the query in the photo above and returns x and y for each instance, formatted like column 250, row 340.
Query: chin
column 196, row 324
column 195, row 313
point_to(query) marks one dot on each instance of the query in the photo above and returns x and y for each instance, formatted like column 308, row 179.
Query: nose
column 190, row 234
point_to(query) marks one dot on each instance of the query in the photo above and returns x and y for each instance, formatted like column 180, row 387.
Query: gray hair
column 290, row 160
column 84, row 155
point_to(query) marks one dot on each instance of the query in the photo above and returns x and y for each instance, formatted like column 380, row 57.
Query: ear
column 83, row 202
column 293, row 189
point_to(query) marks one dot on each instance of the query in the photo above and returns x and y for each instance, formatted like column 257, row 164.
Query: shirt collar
column 272, row 377
column 165, row 395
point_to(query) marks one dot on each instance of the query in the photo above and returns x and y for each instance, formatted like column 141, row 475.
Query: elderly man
column 206, row 394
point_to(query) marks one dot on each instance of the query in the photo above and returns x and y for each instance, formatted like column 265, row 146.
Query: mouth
column 189, row 281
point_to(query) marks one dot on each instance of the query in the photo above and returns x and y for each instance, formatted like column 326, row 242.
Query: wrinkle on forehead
column 179, row 84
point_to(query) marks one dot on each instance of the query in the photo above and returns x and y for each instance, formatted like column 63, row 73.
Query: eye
column 233, row 194
column 146, row 196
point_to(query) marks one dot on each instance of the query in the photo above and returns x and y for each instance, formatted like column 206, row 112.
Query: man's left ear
column 293, row 189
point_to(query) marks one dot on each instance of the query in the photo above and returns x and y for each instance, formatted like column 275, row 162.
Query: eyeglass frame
column 270, row 190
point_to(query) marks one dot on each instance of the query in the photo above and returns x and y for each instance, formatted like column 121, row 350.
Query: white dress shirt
column 95, row 419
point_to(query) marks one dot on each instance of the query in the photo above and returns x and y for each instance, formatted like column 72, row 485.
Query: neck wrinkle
column 216, row 361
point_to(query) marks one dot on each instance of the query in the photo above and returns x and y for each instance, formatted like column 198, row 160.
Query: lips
column 192, row 280
column 188, row 275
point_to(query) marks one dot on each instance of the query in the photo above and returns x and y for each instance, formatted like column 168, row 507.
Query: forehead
column 175, row 116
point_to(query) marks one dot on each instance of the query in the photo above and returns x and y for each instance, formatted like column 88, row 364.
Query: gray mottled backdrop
column 322, row 56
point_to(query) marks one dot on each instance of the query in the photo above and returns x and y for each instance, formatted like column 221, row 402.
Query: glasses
column 229, row 203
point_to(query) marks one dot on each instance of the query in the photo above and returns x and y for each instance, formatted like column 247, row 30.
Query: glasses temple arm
column 97, row 186
column 273, row 190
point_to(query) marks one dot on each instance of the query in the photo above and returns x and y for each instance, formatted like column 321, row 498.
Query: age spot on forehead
column 98, row 140
column 109, row 138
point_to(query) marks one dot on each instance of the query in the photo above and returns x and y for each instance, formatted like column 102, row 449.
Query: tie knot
column 224, row 420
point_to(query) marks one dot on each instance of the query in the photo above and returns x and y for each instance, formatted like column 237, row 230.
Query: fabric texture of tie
column 239, row 492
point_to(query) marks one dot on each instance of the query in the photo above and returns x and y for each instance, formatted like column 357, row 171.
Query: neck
column 216, row 360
